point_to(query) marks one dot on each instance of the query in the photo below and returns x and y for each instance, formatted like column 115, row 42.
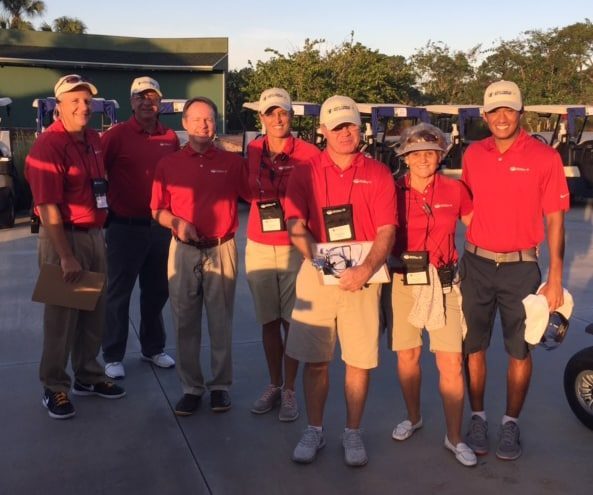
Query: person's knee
column 449, row 364
column 409, row 357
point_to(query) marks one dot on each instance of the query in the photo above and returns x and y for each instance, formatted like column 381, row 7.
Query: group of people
column 172, row 218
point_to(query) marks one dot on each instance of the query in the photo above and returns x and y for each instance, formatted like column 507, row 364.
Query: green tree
column 17, row 10
column 66, row 24
column 236, row 83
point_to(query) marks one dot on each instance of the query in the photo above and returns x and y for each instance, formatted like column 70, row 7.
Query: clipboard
column 356, row 252
column 51, row 288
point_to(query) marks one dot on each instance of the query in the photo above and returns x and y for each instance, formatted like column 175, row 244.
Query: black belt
column 138, row 221
column 75, row 228
column 512, row 257
column 208, row 243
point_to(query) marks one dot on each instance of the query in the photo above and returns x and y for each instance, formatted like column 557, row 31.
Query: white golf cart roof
column 450, row 109
column 5, row 102
column 552, row 109
column 399, row 110
column 300, row 108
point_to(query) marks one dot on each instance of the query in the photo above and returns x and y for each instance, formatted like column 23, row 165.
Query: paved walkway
column 137, row 446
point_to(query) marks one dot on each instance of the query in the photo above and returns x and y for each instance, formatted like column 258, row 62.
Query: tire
column 7, row 211
column 578, row 385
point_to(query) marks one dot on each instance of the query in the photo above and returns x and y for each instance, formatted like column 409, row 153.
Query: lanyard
column 274, row 173
column 89, row 148
column 327, row 201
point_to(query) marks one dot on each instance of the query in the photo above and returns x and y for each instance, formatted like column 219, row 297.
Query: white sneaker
column 306, row 450
column 115, row 370
column 462, row 452
column 405, row 429
column 355, row 454
column 161, row 360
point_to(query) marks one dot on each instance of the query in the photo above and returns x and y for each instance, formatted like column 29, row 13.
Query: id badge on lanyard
column 416, row 267
column 339, row 222
column 99, row 187
column 271, row 216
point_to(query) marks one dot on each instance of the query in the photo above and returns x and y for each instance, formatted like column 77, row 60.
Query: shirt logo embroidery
column 443, row 205
column 217, row 171
column 512, row 168
column 562, row 196
column 165, row 144
column 361, row 181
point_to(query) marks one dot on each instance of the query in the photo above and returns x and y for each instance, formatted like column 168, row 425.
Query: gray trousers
column 197, row 278
column 69, row 331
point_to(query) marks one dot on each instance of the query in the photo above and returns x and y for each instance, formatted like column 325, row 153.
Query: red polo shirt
column 512, row 191
column 268, row 179
column 427, row 219
column 130, row 155
column 59, row 170
column 200, row 188
column 367, row 184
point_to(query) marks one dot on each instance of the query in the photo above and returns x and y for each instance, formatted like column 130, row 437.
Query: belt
column 75, row 228
column 208, row 243
column 512, row 257
column 140, row 221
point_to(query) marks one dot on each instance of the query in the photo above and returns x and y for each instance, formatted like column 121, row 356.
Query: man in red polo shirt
column 137, row 246
column 341, row 195
column 516, row 183
column 195, row 193
column 65, row 171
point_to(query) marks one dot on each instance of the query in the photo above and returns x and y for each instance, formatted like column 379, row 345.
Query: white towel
column 537, row 314
column 428, row 310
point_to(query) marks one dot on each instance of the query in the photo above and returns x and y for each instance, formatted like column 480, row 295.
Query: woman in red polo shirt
column 424, row 293
column 271, row 261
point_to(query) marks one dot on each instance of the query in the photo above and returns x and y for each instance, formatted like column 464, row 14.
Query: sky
column 392, row 27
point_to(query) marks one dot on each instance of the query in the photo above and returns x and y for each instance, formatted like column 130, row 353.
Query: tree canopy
column 16, row 12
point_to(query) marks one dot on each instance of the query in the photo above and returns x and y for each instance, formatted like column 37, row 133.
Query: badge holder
column 271, row 216
column 99, row 187
column 339, row 223
column 415, row 267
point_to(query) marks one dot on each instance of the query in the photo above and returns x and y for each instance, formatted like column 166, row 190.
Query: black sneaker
column 58, row 404
column 107, row 390
column 220, row 400
column 187, row 404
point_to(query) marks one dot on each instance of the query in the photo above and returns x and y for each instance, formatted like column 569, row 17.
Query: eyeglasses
column 152, row 98
column 73, row 80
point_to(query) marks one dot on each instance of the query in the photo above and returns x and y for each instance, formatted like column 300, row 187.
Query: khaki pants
column 71, row 331
column 203, row 277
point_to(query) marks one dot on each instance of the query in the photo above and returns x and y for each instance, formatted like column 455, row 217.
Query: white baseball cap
column 145, row 83
column 502, row 94
column 67, row 83
column 274, row 97
column 338, row 110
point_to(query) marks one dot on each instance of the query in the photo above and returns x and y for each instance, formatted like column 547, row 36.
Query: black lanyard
column 327, row 201
column 273, row 172
column 89, row 148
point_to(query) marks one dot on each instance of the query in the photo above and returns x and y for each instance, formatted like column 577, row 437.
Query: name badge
column 99, row 188
column 415, row 267
column 271, row 216
column 339, row 223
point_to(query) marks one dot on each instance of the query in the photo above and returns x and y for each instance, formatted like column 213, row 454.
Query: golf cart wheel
column 578, row 385
column 7, row 208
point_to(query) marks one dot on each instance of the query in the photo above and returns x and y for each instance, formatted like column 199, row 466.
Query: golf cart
column 383, row 123
column 7, row 171
column 173, row 106
column 563, row 128
column 462, row 124
column 105, row 112
column 304, row 124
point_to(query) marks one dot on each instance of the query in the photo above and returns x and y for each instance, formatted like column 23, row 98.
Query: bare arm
column 301, row 237
column 184, row 230
column 354, row 278
column 51, row 219
column 466, row 219
column 552, row 289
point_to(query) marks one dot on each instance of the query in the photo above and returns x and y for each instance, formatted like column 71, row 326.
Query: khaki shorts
column 271, row 275
column 397, row 303
column 322, row 313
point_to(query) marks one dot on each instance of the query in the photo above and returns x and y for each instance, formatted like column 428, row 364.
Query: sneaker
column 509, row 446
column 289, row 409
column 187, row 405
column 405, row 429
column 58, row 404
column 106, row 389
column 354, row 452
column 267, row 401
column 306, row 450
column 115, row 370
column 477, row 436
column 220, row 400
column 462, row 452
column 161, row 360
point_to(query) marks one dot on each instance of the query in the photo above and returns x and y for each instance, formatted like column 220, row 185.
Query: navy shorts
column 487, row 286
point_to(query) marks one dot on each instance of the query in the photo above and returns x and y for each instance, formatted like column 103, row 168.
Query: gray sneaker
column 509, row 446
column 289, row 410
column 268, row 400
column 354, row 452
column 306, row 450
column 477, row 435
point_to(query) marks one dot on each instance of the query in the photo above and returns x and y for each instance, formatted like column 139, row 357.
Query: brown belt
column 208, row 243
column 512, row 257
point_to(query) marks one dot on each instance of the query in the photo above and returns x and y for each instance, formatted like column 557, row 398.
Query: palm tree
column 66, row 24
column 16, row 10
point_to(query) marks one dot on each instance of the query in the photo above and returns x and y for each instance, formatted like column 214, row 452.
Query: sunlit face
column 146, row 105
column 504, row 123
column 342, row 140
column 423, row 164
column 74, row 109
column 277, row 122
column 200, row 123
